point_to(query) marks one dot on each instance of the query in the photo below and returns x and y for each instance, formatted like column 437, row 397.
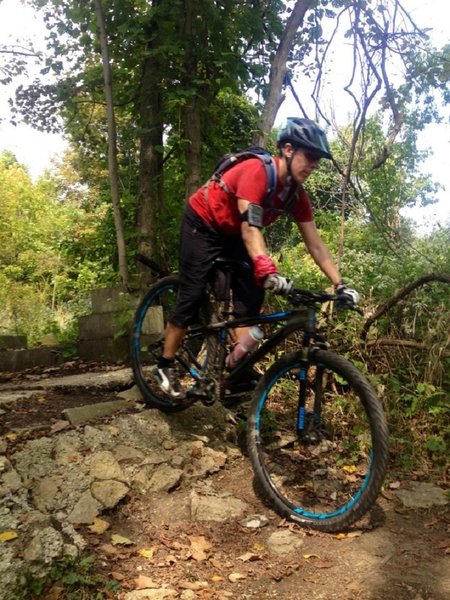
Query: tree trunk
column 112, row 145
column 278, row 71
column 194, row 146
column 193, row 110
column 150, row 195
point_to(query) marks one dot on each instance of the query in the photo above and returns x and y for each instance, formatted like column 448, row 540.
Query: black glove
column 347, row 294
column 278, row 284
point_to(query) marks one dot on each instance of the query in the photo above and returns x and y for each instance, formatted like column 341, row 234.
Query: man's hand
column 278, row 284
column 347, row 294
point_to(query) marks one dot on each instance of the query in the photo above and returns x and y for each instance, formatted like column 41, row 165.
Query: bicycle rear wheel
column 328, row 480
column 147, row 344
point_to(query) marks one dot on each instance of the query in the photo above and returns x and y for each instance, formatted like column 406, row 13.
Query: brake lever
column 347, row 304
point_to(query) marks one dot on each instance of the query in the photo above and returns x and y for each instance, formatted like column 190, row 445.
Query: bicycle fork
column 309, row 422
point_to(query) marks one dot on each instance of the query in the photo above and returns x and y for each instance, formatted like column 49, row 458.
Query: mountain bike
column 317, row 436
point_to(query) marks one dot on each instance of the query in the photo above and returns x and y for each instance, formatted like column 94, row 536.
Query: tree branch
column 403, row 293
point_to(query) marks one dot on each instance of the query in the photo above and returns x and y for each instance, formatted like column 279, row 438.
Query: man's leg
column 164, row 371
column 198, row 247
column 173, row 338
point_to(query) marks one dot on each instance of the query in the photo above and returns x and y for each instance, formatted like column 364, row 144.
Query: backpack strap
column 230, row 160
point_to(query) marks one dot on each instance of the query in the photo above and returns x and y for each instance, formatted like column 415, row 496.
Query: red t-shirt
column 246, row 180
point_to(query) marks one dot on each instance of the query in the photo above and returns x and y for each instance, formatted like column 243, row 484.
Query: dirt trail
column 395, row 553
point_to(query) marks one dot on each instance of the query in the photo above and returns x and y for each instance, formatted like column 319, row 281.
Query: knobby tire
column 330, row 484
column 147, row 340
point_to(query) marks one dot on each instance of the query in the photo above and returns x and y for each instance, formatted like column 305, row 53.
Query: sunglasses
column 311, row 156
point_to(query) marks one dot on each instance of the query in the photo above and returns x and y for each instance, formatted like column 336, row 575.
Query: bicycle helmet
column 304, row 133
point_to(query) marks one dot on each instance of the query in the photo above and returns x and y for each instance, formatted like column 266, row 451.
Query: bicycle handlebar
column 299, row 297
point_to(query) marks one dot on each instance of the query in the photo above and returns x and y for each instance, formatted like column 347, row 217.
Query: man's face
column 304, row 162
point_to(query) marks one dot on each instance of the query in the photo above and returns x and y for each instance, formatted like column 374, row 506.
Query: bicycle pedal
column 202, row 392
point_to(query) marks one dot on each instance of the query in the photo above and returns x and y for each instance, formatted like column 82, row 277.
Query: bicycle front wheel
column 147, row 344
column 322, row 467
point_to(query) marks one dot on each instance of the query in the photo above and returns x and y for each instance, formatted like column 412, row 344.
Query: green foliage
column 52, row 252
column 382, row 254
column 79, row 578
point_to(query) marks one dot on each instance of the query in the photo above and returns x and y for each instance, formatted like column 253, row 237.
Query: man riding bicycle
column 226, row 218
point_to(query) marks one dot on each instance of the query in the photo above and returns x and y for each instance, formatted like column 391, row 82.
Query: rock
column 66, row 449
column 45, row 491
column 283, row 542
column 164, row 479
column 141, row 480
column 207, row 463
column 83, row 414
column 128, row 454
column 215, row 508
column 422, row 495
column 133, row 394
column 9, row 573
column 105, row 466
column 85, row 510
column 109, row 492
column 44, row 547
column 12, row 480
column 254, row 521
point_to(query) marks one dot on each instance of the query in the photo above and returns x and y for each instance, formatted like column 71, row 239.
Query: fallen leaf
column 193, row 585
column 55, row 593
column 99, row 526
column 349, row 468
column 216, row 578
column 340, row 536
column 443, row 545
column 120, row 540
column 117, row 576
column 394, row 485
column 217, row 564
column 354, row 534
column 143, row 582
column 308, row 556
column 249, row 556
column 59, row 426
column 170, row 559
column 7, row 536
column 387, row 495
column 312, row 578
column 233, row 577
column 259, row 548
column 199, row 547
column 108, row 549
column 147, row 552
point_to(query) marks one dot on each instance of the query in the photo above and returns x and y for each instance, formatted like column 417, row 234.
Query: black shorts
column 200, row 244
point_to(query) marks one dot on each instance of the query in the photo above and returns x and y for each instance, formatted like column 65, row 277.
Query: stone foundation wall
column 104, row 334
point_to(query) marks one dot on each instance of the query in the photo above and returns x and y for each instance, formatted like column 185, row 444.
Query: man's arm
column 251, row 236
column 318, row 250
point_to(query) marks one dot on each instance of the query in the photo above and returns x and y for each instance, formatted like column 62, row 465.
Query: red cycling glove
column 263, row 266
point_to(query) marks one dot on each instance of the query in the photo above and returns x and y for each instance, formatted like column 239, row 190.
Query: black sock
column 165, row 362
